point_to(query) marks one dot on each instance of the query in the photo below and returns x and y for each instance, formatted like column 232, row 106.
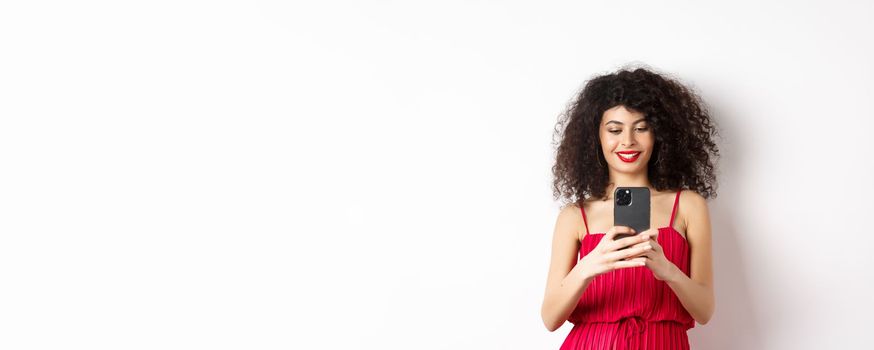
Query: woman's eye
column 642, row 129
column 614, row 131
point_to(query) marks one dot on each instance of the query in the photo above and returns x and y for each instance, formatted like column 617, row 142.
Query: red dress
column 628, row 308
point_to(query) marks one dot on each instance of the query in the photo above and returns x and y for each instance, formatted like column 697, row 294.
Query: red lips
column 628, row 156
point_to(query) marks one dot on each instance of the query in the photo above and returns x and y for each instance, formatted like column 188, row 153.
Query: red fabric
column 628, row 308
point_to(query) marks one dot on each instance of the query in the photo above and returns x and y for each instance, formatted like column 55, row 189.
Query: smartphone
column 631, row 208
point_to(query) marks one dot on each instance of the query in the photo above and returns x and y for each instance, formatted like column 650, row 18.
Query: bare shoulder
column 695, row 214
column 571, row 213
column 693, row 201
column 570, row 216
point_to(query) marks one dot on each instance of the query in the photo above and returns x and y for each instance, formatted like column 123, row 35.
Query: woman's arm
column 565, row 282
column 696, row 292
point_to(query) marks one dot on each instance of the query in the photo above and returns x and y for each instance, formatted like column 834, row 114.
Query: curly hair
column 682, row 152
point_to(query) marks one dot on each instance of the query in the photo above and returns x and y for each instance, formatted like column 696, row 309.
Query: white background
column 376, row 175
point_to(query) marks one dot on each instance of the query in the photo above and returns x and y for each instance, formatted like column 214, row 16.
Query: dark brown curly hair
column 683, row 151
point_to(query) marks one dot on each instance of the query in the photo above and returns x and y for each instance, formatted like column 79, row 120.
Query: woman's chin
column 628, row 168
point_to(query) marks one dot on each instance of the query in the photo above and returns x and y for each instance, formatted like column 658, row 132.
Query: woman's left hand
column 662, row 268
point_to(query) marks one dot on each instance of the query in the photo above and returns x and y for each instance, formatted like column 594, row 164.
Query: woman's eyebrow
column 620, row 123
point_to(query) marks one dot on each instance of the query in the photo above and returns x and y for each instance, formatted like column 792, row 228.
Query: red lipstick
column 628, row 156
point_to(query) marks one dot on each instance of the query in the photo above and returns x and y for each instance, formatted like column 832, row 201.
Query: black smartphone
column 631, row 208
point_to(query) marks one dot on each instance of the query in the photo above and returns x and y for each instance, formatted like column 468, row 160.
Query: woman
column 632, row 128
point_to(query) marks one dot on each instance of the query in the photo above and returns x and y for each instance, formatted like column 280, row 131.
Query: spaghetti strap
column 674, row 212
column 584, row 218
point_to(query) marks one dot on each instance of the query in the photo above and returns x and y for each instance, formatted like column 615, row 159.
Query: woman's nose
column 628, row 140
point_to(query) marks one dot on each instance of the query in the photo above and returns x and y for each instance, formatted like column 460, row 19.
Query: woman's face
column 626, row 140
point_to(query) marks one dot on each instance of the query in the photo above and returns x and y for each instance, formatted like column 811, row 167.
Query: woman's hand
column 607, row 256
column 662, row 268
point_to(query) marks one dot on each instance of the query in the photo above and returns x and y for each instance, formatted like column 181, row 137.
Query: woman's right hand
column 608, row 255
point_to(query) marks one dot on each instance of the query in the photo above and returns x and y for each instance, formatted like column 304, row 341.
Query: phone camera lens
column 623, row 198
